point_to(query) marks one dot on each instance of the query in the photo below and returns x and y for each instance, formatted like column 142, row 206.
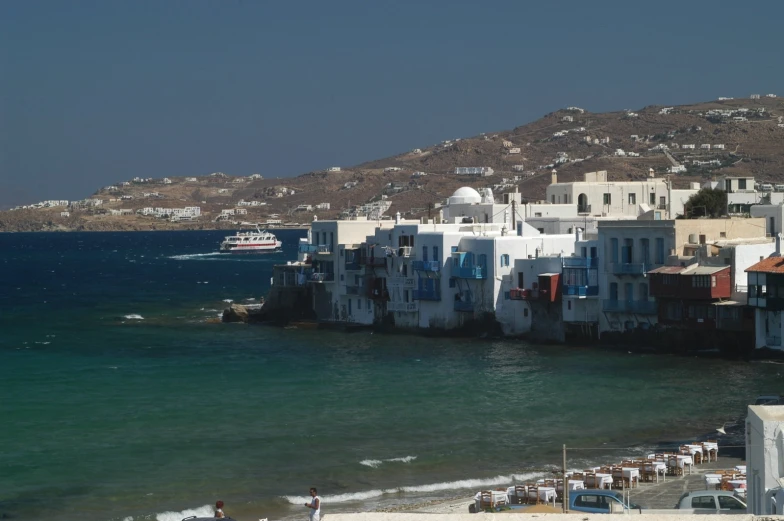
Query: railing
column 629, row 268
column 520, row 294
column 427, row 294
column 403, row 307
column 643, row 307
column 464, row 307
column 322, row 277
column 571, row 290
column 406, row 251
column 772, row 341
column 585, row 208
column 426, row 265
column 324, row 248
column 401, row 282
column 374, row 261
column 469, row 272
column 580, row 262
column 585, row 318
column 308, row 248
column 661, row 206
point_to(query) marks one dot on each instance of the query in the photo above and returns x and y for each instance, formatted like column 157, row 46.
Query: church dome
column 465, row 195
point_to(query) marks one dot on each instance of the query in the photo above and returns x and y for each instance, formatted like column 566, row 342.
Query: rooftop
column 769, row 265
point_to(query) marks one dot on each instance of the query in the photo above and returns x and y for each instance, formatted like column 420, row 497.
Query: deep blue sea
column 123, row 398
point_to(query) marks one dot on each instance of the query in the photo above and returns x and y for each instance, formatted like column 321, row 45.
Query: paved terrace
column 665, row 494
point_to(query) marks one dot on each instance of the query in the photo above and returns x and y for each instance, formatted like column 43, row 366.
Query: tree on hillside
column 708, row 202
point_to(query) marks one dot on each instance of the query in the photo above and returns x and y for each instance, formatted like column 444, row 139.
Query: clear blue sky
column 94, row 92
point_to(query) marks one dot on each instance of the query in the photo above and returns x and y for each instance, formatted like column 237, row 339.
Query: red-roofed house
column 766, row 296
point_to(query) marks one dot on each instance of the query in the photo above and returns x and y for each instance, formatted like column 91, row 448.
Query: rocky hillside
column 746, row 137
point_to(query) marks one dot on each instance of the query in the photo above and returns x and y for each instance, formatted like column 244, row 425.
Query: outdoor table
column 712, row 479
column 631, row 474
column 499, row 497
column 599, row 480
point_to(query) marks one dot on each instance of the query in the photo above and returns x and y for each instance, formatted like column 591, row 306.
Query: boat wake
column 432, row 487
column 197, row 256
column 375, row 463
column 133, row 316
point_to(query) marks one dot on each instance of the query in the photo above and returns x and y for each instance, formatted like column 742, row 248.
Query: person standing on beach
column 314, row 505
column 219, row 510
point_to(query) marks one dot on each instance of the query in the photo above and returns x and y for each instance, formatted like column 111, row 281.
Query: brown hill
column 750, row 130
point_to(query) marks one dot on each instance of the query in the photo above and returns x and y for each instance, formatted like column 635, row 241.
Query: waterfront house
column 630, row 249
column 766, row 297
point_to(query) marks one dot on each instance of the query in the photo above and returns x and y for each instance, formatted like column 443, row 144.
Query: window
column 537, row 214
column 741, row 186
column 703, row 502
column 525, row 312
column 504, row 260
column 359, row 304
column 662, row 202
column 451, row 282
column 614, row 249
column 569, row 230
column 643, row 291
column 613, row 291
column 454, row 249
column 653, row 199
column 627, row 251
column 730, row 502
column 540, row 230
column 506, row 295
column 632, row 198
column 435, row 253
column 659, row 251
column 424, row 253
column 367, row 301
column 569, row 304
column 552, row 199
column 607, row 199
column 645, row 253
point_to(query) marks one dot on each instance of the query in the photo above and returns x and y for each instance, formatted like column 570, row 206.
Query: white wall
column 764, row 457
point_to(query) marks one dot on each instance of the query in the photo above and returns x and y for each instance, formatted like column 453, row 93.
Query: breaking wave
column 133, row 316
column 375, row 463
column 432, row 487
column 202, row 511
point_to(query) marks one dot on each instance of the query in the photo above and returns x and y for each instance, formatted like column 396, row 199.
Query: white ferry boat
column 257, row 241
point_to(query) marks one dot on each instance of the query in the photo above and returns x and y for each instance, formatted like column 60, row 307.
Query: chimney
column 536, row 253
column 553, row 177
column 650, row 173
column 397, row 218
column 578, row 234
column 504, row 231
column 777, row 253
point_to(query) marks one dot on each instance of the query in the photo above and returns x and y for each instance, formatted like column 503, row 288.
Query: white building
column 191, row 179
column 392, row 169
column 514, row 150
column 765, row 460
column 688, row 147
column 323, row 206
column 65, row 214
column 705, row 146
column 599, row 197
column 719, row 146
column 167, row 181
column 754, row 96
column 333, row 169
column 474, row 170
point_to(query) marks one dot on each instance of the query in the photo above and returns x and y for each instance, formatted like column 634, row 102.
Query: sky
column 96, row 92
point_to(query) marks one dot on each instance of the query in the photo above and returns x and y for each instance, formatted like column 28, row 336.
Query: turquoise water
column 122, row 397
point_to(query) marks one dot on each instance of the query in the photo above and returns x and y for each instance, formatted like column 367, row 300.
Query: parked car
column 600, row 501
column 712, row 502
column 772, row 399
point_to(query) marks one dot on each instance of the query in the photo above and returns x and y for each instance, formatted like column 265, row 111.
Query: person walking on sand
column 219, row 510
column 314, row 505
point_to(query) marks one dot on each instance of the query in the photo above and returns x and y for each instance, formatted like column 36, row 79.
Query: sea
column 123, row 397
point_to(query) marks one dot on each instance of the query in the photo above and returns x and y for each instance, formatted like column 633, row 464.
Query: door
column 349, row 307
column 628, row 291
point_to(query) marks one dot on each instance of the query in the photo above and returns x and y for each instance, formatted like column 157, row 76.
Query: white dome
column 465, row 195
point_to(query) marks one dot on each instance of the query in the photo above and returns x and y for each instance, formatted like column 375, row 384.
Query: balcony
column 406, row 252
column 401, row 282
column 374, row 262
column 324, row 249
column 520, row 294
column 580, row 262
column 641, row 307
column 464, row 307
column 308, row 248
column 427, row 294
column 571, row 290
column 469, row 272
column 403, row 307
column 432, row 266
column 584, row 208
column 322, row 277
column 353, row 265
column 629, row 268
